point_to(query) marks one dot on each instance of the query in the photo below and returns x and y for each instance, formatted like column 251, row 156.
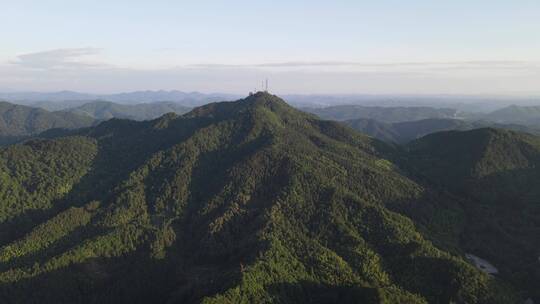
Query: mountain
column 103, row 110
column 17, row 122
column 67, row 99
column 403, row 132
column 249, row 201
column 528, row 115
column 382, row 114
column 498, row 172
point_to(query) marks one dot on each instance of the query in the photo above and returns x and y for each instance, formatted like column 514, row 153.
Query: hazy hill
column 529, row 115
column 53, row 106
column 246, row 201
column 103, row 110
column 382, row 114
column 380, row 130
column 403, row 132
column 18, row 121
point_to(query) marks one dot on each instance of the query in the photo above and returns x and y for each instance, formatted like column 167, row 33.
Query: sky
column 303, row 47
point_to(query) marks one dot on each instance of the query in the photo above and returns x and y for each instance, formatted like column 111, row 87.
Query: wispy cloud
column 354, row 64
column 59, row 59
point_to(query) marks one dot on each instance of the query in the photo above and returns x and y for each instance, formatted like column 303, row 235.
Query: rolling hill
column 18, row 122
column 239, row 202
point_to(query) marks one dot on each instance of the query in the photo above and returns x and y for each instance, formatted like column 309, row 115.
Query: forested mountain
column 498, row 172
column 382, row 114
column 104, row 110
column 17, row 121
column 253, row 202
column 403, row 132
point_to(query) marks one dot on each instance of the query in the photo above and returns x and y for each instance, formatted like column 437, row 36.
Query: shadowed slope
column 498, row 172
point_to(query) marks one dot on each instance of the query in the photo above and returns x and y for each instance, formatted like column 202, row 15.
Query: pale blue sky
column 414, row 46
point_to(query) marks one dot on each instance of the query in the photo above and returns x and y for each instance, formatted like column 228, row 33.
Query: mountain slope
column 103, row 110
column 240, row 202
column 498, row 172
column 18, row 121
column 382, row 114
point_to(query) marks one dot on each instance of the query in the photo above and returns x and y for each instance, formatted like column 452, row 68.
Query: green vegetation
column 234, row 202
column 35, row 175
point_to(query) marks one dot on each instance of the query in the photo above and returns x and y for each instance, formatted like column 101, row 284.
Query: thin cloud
column 441, row 64
column 59, row 59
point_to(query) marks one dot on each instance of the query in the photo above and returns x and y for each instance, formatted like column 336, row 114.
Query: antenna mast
column 266, row 87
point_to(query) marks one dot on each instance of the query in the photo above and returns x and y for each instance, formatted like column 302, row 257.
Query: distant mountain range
column 462, row 103
column 104, row 110
column 382, row 114
column 253, row 201
column 67, row 99
column 54, row 101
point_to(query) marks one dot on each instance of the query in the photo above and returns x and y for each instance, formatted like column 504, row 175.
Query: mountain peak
column 248, row 104
column 264, row 98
